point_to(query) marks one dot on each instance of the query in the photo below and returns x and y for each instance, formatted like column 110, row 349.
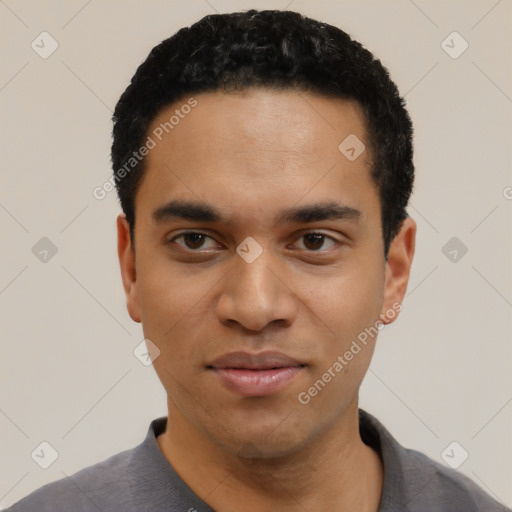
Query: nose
column 256, row 294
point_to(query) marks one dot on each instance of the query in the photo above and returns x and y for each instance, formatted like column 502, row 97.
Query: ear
column 126, row 254
column 398, row 268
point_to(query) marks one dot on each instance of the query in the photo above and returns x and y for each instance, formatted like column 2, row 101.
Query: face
column 258, row 262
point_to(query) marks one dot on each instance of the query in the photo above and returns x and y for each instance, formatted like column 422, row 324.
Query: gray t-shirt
column 142, row 480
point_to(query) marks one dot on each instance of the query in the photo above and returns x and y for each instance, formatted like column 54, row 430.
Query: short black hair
column 273, row 49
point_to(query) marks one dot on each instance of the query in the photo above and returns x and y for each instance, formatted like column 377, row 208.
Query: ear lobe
column 126, row 254
column 398, row 268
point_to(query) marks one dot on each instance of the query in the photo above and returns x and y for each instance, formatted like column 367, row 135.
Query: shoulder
column 413, row 482
column 103, row 486
column 432, row 486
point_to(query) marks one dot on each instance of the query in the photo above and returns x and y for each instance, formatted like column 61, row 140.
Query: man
column 263, row 162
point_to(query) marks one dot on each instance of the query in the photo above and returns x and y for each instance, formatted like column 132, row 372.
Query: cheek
column 174, row 304
column 349, row 312
column 350, row 308
column 348, row 301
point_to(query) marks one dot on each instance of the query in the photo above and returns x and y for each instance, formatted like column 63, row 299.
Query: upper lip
column 255, row 361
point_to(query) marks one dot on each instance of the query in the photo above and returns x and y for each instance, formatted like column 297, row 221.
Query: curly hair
column 273, row 49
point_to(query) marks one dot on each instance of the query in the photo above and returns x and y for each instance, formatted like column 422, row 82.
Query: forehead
column 260, row 119
column 257, row 149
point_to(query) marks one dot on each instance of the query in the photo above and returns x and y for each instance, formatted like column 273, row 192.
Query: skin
column 250, row 155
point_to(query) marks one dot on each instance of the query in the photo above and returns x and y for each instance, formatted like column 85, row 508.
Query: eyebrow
column 202, row 212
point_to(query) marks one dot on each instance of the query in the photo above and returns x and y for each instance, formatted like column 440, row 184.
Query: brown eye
column 314, row 241
column 194, row 240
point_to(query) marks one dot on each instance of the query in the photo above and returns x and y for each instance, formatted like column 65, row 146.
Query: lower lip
column 257, row 382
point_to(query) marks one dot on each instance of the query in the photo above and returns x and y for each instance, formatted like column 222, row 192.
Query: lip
column 259, row 374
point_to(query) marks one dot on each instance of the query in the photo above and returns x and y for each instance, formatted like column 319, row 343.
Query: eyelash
column 325, row 237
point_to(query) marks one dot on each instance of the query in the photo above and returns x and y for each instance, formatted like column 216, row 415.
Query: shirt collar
column 156, row 485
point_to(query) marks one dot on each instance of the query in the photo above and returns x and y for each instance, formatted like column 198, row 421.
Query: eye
column 193, row 240
column 315, row 241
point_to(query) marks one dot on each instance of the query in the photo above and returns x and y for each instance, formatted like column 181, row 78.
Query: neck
column 336, row 471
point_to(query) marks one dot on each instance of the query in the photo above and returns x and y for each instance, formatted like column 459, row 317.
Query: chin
column 266, row 442
column 268, row 451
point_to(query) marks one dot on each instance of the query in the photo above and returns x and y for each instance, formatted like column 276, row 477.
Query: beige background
column 68, row 375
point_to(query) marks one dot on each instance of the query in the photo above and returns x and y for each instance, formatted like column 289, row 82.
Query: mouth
column 259, row 374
